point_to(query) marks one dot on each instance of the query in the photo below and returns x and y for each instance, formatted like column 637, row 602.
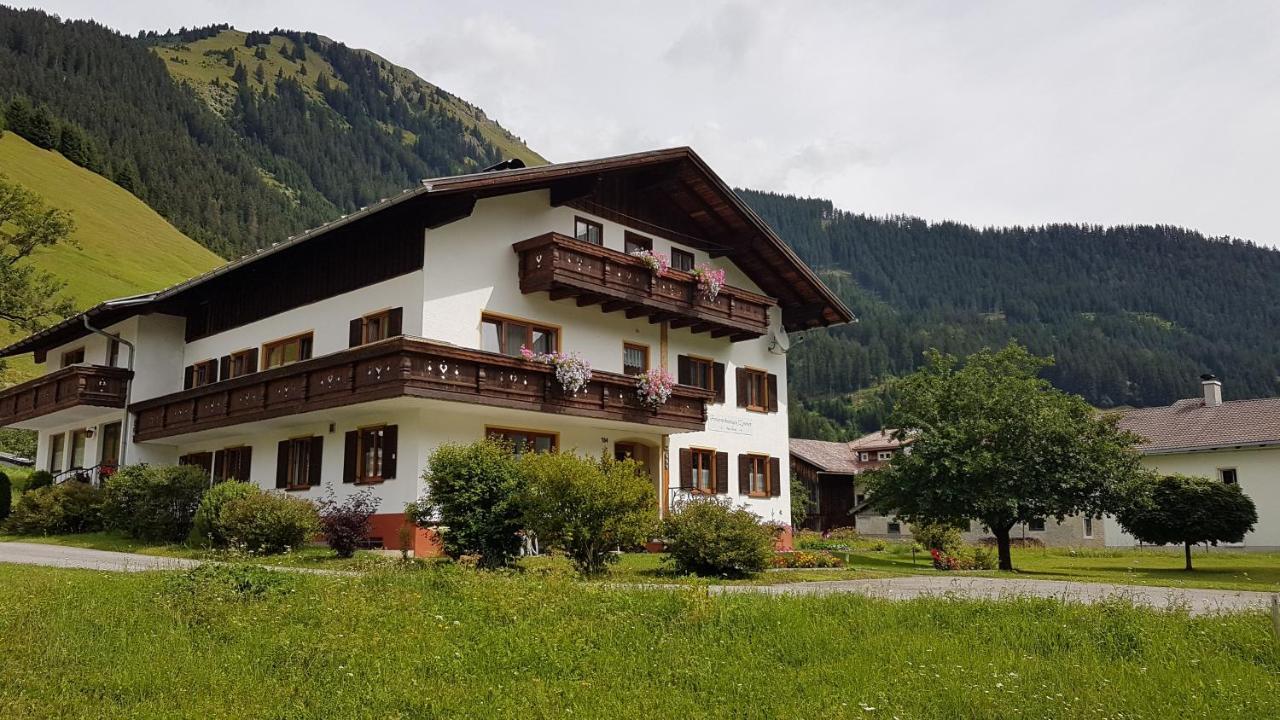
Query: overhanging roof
column 670, row 192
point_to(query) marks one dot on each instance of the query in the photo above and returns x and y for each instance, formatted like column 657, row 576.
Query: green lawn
column 1215, row 568
column 447, row 642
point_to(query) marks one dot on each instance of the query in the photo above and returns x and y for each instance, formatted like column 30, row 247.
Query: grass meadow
column 444, row 641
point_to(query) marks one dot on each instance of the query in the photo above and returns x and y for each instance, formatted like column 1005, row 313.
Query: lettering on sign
column 736, row 426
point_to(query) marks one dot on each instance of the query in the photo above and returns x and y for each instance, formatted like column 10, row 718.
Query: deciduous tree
column 1187, row 510
column 29, row 297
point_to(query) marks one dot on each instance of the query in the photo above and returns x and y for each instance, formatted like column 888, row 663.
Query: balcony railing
column 565, row 267
column 69, row 387
column 409, row 367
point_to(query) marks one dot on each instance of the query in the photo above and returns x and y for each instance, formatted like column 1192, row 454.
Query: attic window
column 1228, row 475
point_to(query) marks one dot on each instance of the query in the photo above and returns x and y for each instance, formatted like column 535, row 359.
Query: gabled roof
column 670, row 192
column 884, row 440
column 832, row 457
column 1190, row 425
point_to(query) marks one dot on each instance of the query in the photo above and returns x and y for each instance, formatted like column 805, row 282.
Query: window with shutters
column 635, row 358
column 57, row 451
column 635, row 243
column 523, row 441
column 758, row 481
column 588, row 231
column 286, row 351
column 681, row 259
column 370, row 447
column 376, row 326
column 242, row 363
column 298, row 458
column 233, row 464
column 702, row 373
column 755, row 385
column 703, row 479
column 204, row 373
column 507, row 335
column 73, row 357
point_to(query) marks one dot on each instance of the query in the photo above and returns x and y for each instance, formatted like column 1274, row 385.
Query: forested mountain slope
column 1132, row 314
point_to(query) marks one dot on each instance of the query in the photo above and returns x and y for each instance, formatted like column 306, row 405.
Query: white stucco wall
column 1257, row 471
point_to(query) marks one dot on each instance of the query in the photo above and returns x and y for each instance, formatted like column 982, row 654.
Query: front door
column 109, row 456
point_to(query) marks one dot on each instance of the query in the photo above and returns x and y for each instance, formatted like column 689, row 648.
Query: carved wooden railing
column 69, row 387
column 566, row 267
column 412, row 367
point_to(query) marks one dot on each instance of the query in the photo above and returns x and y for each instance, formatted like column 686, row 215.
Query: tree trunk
column 1188, row 546
column 1002, row 546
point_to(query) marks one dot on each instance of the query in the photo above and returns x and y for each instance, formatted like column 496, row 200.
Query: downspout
column 128, row 388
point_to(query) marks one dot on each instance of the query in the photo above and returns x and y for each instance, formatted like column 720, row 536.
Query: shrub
column 587, row 507
column 346, row 524
column 937, row 536
column 799, row 502
column 6, row 496
column 802, row 559
column 206, row 527
column 473, row 491
column 964, row 557
column 39, row 479
column 711, row 537
column 153, row 502
column 69, row 507
column 268, row 523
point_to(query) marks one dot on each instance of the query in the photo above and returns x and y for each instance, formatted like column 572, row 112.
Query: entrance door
column 109, row 454
column 634, row 451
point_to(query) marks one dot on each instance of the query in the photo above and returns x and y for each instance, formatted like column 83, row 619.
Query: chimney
column 1211, row 390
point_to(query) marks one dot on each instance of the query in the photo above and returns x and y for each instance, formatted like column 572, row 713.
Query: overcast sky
column 989, row 113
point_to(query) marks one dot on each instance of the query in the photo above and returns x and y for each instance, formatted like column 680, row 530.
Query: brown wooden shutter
column 282, row 464
column 744, row 474
column 740, row 375
column 395, row 322
column 684, row 375
column 219, row 465
column 717, row 370
column 775, row 476
column 722, row 473
column 773, row 392
column 390, row 439
column 224, row 367
column 246, row 462
column 350, row 456
column 686, row 469
column 251, row 361
column 188, row 377
column 317, row 457
column 355, row 332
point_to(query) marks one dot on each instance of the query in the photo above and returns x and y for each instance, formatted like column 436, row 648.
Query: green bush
column 473, row 491
column 267, row 523
column 70, row 507
column 587, row 507
column 800, row 501
column 153, row 502
column 39, row 479
column 6, row 496
column 206, row 526
column 937, row 536
column 711, row 537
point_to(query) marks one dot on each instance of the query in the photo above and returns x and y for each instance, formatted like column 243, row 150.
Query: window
column 523, row 441
column 758, row 475
column 205, row 373
column 298, row 463
column 376, row 326
column 1036, row 525
column 588, row 231
column 109, row 446
column 202, row 460
column 635, row 358
column 1088, row 526
column 232, row 464
column 369, row 449
column 289, row 350
column 704, row 472
column 1228, row 475
column 859, row 499
column 242, row 363
column 113, row 352
column 755, row 387
column 895, row 528
column 681, row 259
column 884, row 455
column 57, row 449
column 77, row 448
column 864, row 457
column 73, row 357
column 508, row 335
column 701, row 373
column 635, row 243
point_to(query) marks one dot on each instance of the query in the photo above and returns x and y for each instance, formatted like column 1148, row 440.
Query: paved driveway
column 74, row 557
column 1197, row 601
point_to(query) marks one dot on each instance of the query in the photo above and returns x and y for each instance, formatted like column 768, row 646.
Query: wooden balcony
column 70, row 387
column 594, row 275
column 408, row 367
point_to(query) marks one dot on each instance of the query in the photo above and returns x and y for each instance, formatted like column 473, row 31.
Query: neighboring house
column 829, row 471
column 1237, row 441
column 342, row 357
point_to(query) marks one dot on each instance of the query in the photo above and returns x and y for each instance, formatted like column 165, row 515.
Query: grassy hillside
column 124, row 246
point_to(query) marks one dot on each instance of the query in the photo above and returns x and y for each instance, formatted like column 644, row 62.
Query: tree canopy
column 1188, row 511
column 995, row 443
column 29, row 297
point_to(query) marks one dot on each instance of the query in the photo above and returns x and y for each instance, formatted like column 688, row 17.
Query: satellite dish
column 780, row 342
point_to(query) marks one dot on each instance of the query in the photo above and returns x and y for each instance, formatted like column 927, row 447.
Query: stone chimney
column 1211, row 390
